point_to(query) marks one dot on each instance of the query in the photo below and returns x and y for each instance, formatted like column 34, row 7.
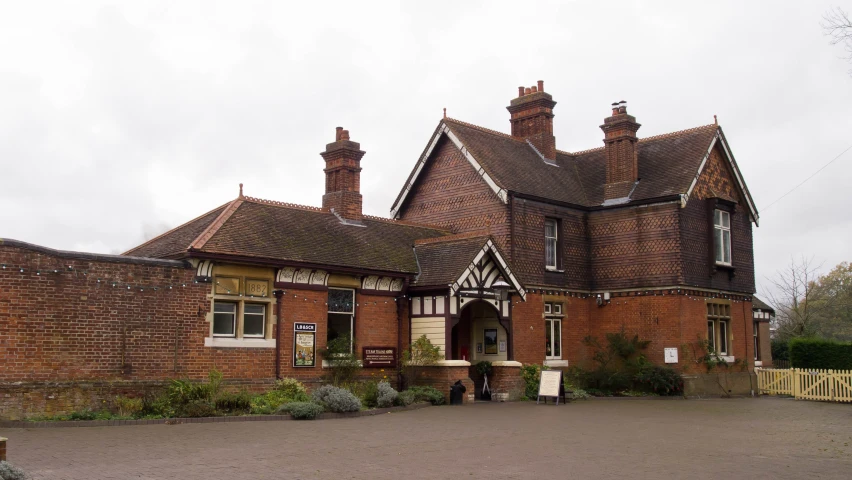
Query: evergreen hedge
column 818, row 353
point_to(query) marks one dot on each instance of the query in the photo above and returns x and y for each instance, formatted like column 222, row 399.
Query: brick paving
column 736, row 438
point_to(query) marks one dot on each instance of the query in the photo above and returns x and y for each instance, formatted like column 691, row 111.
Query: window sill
column 758, row 363
column 218, row 342
column 728, row 358
column 556, row 363
column 554, row 270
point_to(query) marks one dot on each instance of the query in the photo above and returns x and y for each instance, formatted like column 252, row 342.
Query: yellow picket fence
column 804, row 384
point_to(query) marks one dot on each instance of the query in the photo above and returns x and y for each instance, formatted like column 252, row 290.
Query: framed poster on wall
column 304, row 344
column 491, row 341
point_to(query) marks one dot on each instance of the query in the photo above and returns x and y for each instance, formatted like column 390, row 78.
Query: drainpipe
column 279, row 295
column 401, row 305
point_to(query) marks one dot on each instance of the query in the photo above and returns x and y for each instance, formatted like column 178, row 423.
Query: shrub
column 780, row 350
column 292, row 389
column 127, row 407
column 11, row 472
column 532, row 377
column 156, row 406
column 336, row 399
column 386, row 395
column 196, row 408
column 425, row 394
column 406, row 398
column 661, row 380
column 234, row 402
column 370, row 394
column 421, row 353
column 616, row 363
column 343, row 365
column 817, row 353
column 483, row 368
column 301, row 410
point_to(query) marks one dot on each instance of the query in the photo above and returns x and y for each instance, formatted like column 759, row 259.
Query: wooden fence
column 826, row 385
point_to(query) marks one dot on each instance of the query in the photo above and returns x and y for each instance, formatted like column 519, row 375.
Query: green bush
column 660, row 380
column 780, row 349
column 127, row 407
column 286, row 390
column 157, row 406
column 196, row 409
column 336, row 399
column 234, row 402
column 343, row 365
column 301, row 410
column 424, row 394
column 816, row 353
column 406, row 398
column 420, row 354
column 370, row 394
column 292, row 389
column 531, row 373
column 387, row 395
column 11, row 472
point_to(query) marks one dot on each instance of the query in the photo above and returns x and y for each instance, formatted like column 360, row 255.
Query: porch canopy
column 454, row 302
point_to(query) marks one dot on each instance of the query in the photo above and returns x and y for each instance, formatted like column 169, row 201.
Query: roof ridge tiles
column 276, row 203
column 645, row 139
column 214, row 227
column 452, row 238
column 486, row 130
column 137, row 247
column 404, row 222
column 677, row 132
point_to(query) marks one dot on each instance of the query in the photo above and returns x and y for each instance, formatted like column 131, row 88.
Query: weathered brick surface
column 443, row 377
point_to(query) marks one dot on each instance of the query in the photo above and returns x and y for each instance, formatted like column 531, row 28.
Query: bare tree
column 794, row 299
column 837, row 25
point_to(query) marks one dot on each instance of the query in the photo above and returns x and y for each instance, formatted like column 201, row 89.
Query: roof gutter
column 635, row 203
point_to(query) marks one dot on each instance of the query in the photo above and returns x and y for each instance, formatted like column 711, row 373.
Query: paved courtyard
column 737, row 438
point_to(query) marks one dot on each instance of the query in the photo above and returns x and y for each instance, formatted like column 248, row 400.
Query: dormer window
column 722, row 236
column 551, row 244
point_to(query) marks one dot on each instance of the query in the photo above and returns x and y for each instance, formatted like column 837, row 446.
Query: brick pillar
column 3, row 449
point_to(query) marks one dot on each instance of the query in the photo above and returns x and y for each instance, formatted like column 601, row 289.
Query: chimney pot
column 541, row 85
column 527, row 91
column 344, row 135
column 520, row 91
column 533, row 89
column 622, row 109
column 337, row 133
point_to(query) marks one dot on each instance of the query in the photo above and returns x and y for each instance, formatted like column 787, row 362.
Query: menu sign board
column 304, row 344
column 551, row 386
column 379, row 357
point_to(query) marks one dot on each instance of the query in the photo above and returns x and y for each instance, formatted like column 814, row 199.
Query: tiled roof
column 262, row 229
column 442, row 262
column 667, row 164
column 175, row 242
column 760, row 304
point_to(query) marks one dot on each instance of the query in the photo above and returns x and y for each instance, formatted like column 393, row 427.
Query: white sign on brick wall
column 671, row 355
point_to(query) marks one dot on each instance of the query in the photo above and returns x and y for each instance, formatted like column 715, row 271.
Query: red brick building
column 652, row 235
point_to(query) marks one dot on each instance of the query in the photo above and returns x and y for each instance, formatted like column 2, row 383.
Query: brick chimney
column 531, row 115
column 343, row 176
column 622, row 165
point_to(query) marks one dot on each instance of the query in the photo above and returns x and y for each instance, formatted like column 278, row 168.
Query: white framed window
column 557, row 308
column 551, row 243
column 341, row 314
column 718, row 331
column 553, row 338
column 224, row 319
column 722, row 236
column 548, row 307
column 254, row 320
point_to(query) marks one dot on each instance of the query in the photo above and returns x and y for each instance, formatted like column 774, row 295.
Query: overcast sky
column 121, row 120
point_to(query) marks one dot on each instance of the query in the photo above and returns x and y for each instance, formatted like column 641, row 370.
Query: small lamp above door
column 501, row 290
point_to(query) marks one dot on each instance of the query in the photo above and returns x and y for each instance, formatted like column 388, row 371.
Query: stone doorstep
column 177, row 421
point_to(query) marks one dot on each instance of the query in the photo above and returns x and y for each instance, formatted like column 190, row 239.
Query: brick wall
column 73, row 325
column 443, row 377
column 450, row 194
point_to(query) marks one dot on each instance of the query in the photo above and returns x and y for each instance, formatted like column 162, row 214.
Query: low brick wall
column 506, row 383
column 719, row 383
column 442, row 377
column 21, row 400
column 2, row 449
